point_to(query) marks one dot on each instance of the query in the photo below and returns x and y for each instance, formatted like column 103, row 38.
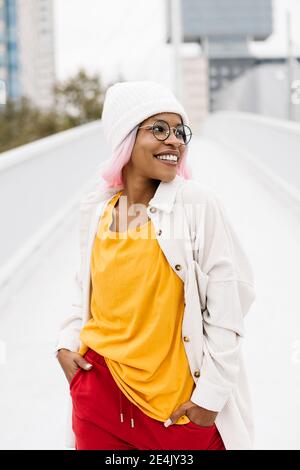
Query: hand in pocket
column 70, row 362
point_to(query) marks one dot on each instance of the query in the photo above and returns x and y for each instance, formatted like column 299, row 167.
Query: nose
column 173, row 139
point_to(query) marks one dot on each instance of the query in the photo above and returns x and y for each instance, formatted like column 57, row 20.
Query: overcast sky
column 127, row 36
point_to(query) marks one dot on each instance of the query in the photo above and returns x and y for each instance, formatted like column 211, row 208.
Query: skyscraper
column 36, row 47
column 27, row 50
column 9, row 53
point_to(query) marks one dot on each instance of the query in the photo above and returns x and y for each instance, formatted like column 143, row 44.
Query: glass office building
column 227, row 19
column 9, row 59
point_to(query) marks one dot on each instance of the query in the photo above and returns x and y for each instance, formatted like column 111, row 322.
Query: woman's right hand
column 70, row 362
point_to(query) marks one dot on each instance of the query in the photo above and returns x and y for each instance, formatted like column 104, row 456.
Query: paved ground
column 33, row 388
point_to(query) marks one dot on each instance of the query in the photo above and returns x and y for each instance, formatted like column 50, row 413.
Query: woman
column 152, row 348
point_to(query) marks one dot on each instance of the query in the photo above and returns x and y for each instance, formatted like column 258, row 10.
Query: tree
column 80, row 98
column 77, row 101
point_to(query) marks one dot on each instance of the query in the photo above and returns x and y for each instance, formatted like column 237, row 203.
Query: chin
column 167, row 178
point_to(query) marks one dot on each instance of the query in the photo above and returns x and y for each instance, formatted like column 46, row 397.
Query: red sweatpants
column 97, row 424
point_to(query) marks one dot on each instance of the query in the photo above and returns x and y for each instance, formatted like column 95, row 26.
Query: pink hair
column 113, row 172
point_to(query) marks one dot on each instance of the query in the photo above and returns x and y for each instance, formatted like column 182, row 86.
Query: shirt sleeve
column 71, row 326
column 230, row 293
column 69, row 333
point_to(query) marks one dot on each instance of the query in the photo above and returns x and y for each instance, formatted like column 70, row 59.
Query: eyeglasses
column 161, row 131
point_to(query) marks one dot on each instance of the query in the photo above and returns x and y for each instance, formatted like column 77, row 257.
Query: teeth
column 172, row 158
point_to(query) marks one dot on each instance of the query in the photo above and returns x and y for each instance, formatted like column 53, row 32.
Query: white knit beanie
column 129, row 103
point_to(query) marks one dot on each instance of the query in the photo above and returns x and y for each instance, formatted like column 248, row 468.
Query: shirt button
column 186, row 339
column 159, row 232
column 152, row 209
column 197, row 373
column 178, row 267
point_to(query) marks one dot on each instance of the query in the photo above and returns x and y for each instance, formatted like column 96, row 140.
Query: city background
column 235, row 65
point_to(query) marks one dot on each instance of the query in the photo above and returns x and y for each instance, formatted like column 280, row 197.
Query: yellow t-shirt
column 137, row 305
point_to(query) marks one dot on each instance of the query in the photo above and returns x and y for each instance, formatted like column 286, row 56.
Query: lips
column 173, row 156
column 166, row 162
column 168, row 152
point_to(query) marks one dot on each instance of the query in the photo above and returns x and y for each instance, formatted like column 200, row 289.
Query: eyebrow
column 164, row 119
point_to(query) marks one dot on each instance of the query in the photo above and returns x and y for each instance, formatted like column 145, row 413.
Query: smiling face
column 144, row 161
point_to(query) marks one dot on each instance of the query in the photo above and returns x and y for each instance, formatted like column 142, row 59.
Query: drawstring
column 131, row 416
column 121, row 410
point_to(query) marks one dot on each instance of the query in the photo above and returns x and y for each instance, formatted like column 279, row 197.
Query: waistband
column 93, row 356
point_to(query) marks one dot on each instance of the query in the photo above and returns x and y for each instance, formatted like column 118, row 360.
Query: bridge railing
column 40, row 185
column 271, row 145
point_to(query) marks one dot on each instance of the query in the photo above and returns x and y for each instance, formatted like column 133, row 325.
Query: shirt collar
column 164, row 196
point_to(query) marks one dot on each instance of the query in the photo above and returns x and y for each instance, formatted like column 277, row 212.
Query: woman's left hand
column 195, row 413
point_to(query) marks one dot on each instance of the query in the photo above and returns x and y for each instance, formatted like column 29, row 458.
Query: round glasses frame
column 151, row 127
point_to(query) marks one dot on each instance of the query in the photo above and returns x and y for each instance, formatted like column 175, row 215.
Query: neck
column 139, row 190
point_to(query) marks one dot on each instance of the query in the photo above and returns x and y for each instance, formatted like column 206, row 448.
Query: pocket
column 198, row 426
column 202, row 283
column 74, row 377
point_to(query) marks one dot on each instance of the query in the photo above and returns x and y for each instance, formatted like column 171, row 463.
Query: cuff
column 68, row 342
column 210, row 396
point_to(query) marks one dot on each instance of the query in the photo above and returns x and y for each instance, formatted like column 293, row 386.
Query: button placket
column 153, row 210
